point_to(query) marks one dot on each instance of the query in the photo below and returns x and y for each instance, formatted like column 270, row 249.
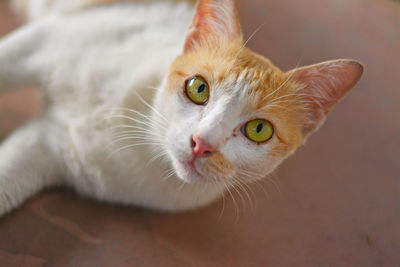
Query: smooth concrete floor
column 339, row 197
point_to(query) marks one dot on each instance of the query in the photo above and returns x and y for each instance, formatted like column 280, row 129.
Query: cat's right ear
column 323, row 85
column 214, row 21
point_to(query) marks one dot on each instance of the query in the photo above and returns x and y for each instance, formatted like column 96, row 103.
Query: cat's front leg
column 28, row 163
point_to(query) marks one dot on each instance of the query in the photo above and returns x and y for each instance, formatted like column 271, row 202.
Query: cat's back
column 101, row 52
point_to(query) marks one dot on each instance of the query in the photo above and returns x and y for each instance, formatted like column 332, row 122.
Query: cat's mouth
column 190, row 170
column 193, row 169
column 210, row 167
column 192, row 164
column 197, row 170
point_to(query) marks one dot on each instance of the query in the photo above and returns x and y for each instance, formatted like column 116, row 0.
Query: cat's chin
column 189, row 174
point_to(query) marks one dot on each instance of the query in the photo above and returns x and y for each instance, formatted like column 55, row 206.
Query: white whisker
column 149, row 106
column 157, row 156
column 131, row 137
column 244, row 45
column 233, row 199
column 141, row 132
column 132, row 119
column 130, row 146
column 290, row 76
column 237, row 182
column 137, row 128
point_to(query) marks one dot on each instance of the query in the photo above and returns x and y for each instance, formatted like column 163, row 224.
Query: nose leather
column 200, row 147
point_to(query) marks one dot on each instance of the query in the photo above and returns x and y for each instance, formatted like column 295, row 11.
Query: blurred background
column 338, row 201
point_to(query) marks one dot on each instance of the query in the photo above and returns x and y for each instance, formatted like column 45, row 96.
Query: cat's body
column 120, row 50
column 94, row 67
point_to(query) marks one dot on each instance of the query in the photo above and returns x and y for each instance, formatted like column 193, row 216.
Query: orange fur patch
column 216, row 163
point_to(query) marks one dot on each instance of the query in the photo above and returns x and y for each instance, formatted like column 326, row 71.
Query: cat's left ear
column 214, row 21
column 323, row 85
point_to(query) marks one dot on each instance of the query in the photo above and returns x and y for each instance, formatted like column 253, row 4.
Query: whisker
column 290, row 95
column 244, row 45
column 275, row 182
column 135, row 133
column 266, row 178
column 170, row 172
column 130, row 137
column 130, row 146
column 234, row 201
column 260, row 184
column 216, row 184
column 259, row 178
column 253, row 176
column 233, row 186
column 254, row 33
column 281, row 86
column 141, row 132
column 132, row 119
column 238, row 183
column 183, row 184
column 253, row 199
column 150, row 87
column 290, row 76
column 130, row 110
column 150, row 118
column 157, row 156
column 142, row 129
column 149, row 106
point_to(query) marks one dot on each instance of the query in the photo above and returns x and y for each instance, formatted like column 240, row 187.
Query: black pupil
column 259, row 128
column 201, row 88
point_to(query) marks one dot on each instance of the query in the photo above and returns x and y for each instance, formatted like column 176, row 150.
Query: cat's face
column 233, row 116
column 234, row 85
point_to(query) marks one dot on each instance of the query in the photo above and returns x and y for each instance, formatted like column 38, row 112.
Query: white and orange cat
column 140, row 109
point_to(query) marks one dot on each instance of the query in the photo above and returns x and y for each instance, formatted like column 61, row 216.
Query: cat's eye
column 258, row 130
column 197, row 90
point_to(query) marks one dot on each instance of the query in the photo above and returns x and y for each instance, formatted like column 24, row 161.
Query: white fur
column 35, row 9
column 89, row 63
column 94, row 66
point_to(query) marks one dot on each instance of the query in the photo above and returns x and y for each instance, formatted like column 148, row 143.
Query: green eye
column 258, row 130
column 197, row 90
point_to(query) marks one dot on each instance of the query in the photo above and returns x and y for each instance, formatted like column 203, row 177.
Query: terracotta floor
column 339, row 203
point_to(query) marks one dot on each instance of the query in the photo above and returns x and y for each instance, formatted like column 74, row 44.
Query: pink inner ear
column 213, row 20
column 326, row 83
column 199, row 26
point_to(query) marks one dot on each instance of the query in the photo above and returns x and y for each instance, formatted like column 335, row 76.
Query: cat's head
column 232, row 114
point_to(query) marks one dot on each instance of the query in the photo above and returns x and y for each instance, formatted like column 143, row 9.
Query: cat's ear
column 323, row 85
column 214, row 21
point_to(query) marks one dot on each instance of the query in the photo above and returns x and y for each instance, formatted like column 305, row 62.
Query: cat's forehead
column 235, row 72
column 248, row 76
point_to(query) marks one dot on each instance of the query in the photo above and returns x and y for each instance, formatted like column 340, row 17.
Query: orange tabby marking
column 216, row 163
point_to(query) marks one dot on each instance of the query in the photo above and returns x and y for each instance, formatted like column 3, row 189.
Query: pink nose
column 200, row 147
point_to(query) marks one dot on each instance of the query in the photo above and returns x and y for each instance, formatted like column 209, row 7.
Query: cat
column 154, row 104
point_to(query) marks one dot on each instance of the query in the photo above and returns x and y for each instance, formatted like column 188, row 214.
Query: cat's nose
column 200, row 147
